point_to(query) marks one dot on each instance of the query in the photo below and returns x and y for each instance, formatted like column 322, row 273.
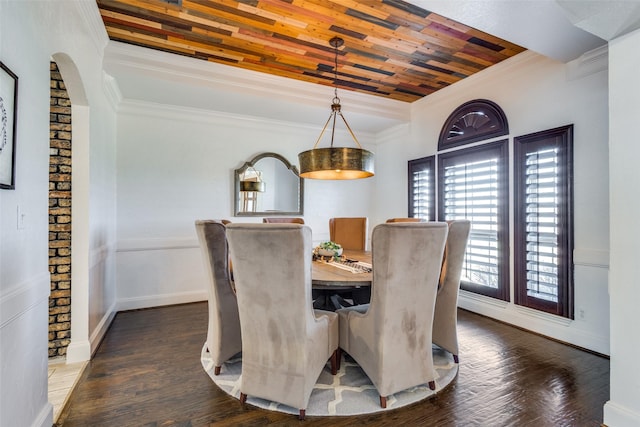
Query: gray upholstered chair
column 392, row 220
column 445, row 320
column 223, row 335
column 285, row 343
column 390, row 338
column 350, row 233
column 276, row 220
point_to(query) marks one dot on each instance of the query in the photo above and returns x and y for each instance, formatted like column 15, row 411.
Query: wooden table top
column 326, row 276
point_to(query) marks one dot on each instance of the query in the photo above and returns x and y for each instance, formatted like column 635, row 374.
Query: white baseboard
column 555, row 327
column 78, row 351
column 620, row 416
column 160, row 300
column 101, row 329
column 45, row 417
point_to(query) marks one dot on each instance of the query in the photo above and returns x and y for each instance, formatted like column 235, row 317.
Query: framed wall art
column 8, row 109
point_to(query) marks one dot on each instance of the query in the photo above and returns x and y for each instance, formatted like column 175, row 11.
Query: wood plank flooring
column 147, row 372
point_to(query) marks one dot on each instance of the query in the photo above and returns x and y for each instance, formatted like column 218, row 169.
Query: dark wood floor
column 147, row 372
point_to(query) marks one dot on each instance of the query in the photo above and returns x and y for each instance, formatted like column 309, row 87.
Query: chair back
column 275, row 220
column 284, row 349
column 392, row 220
column 223, row 333
column 406, row 267
column 391, row 341
column 445, row 319
column 350, row 233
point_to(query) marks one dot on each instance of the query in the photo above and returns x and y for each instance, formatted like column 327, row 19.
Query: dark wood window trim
column 424, row 165
column 473, row 121
column 560, row 138
column 495, row 150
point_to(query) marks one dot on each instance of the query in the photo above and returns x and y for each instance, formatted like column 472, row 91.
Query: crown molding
column 589, row 63
column 197, row 115
column 121, row 58
column 111, row 90
column 91, row 15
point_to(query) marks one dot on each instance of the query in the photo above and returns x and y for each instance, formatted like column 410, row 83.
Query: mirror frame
column 250, row 164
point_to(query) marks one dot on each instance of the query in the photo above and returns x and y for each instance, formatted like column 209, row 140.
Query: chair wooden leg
column 339, row 356
column 302, row 415
column 455, row 358
column 216, row 370
column 432, row 385
column 383, row 401
column 243, row 398
column 334, row 362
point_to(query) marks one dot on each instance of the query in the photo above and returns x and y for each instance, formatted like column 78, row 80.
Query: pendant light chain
column 336, row 100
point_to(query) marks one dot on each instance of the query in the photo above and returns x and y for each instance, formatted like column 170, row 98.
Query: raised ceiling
column 391, row 48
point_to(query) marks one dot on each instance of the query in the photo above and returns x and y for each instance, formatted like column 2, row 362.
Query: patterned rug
column 349, row 392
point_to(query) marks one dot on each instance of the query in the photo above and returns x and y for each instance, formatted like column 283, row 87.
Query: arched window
column 473, row 121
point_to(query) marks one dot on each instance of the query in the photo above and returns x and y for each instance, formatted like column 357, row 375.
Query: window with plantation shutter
column 473, row 185
column 544, row 231
column 422, row 188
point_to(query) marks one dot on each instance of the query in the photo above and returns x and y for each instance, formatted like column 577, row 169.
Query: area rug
column 349, row 392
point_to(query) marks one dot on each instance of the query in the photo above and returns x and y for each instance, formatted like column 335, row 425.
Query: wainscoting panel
column 156, row 272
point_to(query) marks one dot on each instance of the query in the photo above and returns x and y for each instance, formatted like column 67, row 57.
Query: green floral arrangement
column 327, row 249
column 330, row 246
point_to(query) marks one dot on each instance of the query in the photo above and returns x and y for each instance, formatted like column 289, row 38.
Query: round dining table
column 330, row 282
column 326, row 275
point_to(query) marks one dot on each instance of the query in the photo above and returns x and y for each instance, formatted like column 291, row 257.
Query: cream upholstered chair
column 391, row 340
column 285, row 343
column 392, row 220
column 223, row 335
column 283, row 220
column 350, row 233
column 445, row 320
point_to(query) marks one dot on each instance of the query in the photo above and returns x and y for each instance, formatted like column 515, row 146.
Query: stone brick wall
column 59, row 216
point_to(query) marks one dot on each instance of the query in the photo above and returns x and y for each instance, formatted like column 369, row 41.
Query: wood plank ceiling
column 391, row 48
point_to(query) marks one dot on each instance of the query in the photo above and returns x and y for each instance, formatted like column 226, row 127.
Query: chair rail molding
column 19, row 298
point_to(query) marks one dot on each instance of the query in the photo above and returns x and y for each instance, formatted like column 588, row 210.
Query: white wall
column 31, row 32
column 535, row 93
column 176, row 165
column 623, row 409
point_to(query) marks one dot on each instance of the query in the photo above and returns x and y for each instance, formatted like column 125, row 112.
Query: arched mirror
column 268, row 185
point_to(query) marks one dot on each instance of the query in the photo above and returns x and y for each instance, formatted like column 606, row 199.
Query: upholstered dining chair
column 223, row 334
column 283, row 220
column 445, row 320
column 285, row 343
column 390, row 338
column 392, row 220
column 350, row 233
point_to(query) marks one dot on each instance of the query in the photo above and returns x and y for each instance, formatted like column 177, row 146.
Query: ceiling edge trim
column 197, row 115
column 111, row 91
column 91, row 14
column 589, row 63
column 194, row 71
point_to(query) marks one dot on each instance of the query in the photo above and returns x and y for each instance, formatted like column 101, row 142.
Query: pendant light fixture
column 336, row 162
